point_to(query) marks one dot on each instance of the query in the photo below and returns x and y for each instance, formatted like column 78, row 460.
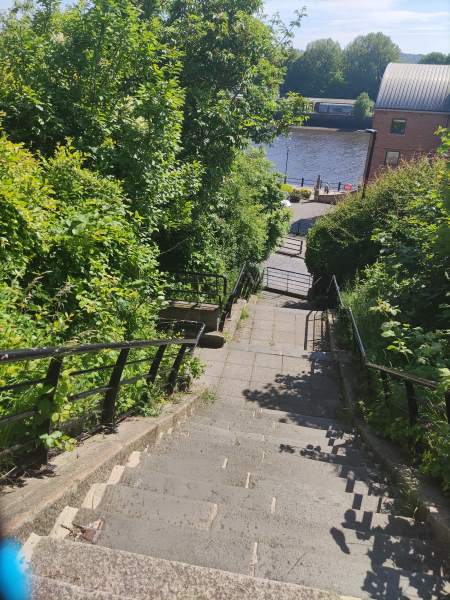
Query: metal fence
column 411, row 382
column 21, row 431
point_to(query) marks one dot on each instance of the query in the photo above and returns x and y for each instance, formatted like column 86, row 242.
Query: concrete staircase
column 264, row 494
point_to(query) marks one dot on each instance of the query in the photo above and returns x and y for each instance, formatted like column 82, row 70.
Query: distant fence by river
column 335, row 186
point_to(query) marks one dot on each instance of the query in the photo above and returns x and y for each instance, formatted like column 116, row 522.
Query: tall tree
column 318, row 71
column 435, row 58
column 366, row 59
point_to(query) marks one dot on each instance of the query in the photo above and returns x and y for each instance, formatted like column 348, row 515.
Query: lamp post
column 287, row 161
column 373, row 137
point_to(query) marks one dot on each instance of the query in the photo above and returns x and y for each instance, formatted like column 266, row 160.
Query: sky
column 417, row 26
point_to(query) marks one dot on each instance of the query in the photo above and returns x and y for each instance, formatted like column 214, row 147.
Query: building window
column 392, row 158
column 398, row 126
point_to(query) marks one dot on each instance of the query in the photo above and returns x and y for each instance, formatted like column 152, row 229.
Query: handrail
column 198, row 285
column 246, row 284
column 190, row 331
column 409, row 379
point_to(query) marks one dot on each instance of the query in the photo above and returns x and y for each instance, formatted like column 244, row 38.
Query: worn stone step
column 141, row 504
column 210, row 490
column 329, row 536
column 291, row 500
column 156, row 537
column 282, row 434
column 264, row 419
column 205, row 442
column 308, row 441
column 236, row 469
column 46, row 588
column 350, row 571
column 230, row 545
column 274, row 464
column 149, row 578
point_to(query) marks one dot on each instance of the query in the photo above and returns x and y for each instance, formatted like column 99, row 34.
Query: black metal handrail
column 198, row 287
column 290, row 282
column 409, row 379
column 188, row 334
column 247, row 283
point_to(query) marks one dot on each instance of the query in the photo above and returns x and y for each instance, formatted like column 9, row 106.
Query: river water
column 335, row 155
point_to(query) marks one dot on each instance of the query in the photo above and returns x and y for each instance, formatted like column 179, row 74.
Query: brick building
column 413, row 102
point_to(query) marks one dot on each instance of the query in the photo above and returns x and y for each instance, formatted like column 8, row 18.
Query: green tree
column 100, row 75
column 366, row 59
column 363, row 106
column 318, row 71
column 435, row 58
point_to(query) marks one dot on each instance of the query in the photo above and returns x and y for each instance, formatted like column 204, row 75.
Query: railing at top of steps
column 198, row 287
column 290, row 282
column 21, row 432
column 410, row 381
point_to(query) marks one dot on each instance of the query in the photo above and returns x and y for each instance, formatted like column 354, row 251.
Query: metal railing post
column 51, row 379
column 412, row 403
column 172, row 379
column 156, row 362
column 109, row 401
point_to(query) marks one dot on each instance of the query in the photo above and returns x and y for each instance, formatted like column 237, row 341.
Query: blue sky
column 417, row 26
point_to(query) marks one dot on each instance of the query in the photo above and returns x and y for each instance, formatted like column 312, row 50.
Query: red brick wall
column 418, row 138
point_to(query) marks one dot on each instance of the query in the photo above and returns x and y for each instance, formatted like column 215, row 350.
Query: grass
column 208, row 396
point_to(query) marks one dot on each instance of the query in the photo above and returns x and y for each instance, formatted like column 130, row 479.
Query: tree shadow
column 403, row 560
column 301, row 226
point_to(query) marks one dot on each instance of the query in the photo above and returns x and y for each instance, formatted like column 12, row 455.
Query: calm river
column 333, row 154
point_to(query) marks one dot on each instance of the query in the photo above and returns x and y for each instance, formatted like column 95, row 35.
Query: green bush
column 343, row 241
column 297, row 195
column 400, row 298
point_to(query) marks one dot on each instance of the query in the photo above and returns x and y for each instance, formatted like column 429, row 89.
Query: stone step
column 289, row 434
column 206, row 442
column 45, row 588
column 294, row 509
column 141, row 503
column 210, row 490
column 255, row 420
column 126, row 574
column 156, row 537
column 306, row 440
column 237, row 541
column 274, row 466
column 349, row 571
column 289, row 500
column 330, row 537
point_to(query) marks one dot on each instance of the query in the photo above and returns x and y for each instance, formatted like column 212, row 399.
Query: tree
column 318, row 71
column 435, row 58
column 366, row 59
column 363, row 106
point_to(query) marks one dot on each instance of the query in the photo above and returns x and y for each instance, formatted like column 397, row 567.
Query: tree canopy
column 435, row 58
column 318, row 71
column 324, row 69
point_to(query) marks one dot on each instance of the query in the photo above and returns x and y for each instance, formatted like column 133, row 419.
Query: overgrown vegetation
column 391, row 251
column 124, row 154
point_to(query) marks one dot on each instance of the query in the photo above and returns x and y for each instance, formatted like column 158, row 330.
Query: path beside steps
column 264, row 494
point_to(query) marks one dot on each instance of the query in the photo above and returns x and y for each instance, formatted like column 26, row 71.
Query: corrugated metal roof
column 415, row 87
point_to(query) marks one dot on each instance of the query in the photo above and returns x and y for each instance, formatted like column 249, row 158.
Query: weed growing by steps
column 208, row 396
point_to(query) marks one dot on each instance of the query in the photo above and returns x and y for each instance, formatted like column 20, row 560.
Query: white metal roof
column 415, row 87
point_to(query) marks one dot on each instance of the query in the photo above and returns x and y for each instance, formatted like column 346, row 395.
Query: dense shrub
column 393, row 250
column 344, row 241
column 296, row 195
